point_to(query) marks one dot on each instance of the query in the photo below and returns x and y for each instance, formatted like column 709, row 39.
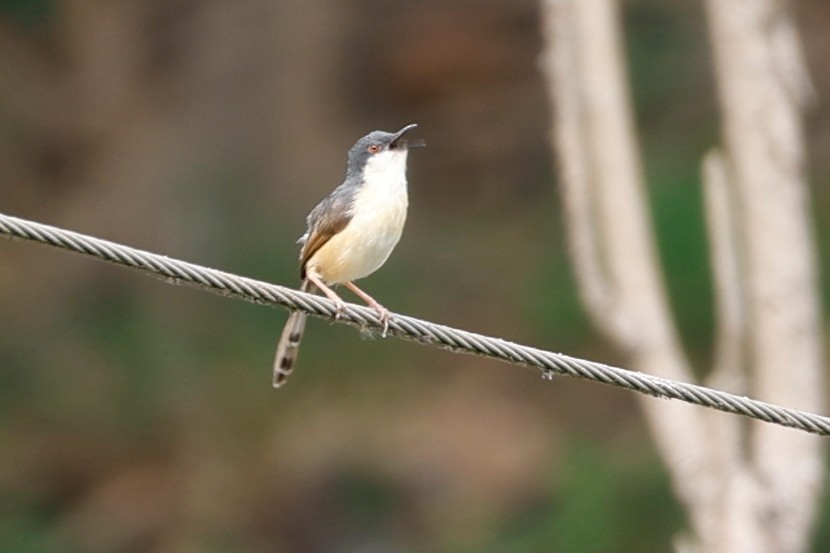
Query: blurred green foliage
column 595, row 506
column 30, row 13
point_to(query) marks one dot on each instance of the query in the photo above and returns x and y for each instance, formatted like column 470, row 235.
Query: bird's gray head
column 380, row 146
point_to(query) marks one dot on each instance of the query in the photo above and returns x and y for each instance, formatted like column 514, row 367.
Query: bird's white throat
column 386, row 169
column 384, row 185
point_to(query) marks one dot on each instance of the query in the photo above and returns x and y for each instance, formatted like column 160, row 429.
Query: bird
column 351, row 233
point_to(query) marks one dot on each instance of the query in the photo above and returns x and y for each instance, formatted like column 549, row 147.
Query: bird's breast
column 364, row 244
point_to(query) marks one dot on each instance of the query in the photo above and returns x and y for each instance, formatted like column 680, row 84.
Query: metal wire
column 409, row 328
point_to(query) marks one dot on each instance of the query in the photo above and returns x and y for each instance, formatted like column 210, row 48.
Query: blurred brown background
column 137, row 416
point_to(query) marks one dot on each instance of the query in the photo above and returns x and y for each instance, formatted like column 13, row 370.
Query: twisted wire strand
column 409, row 328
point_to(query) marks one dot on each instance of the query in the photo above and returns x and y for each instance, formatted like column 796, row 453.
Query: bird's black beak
column 397, row 142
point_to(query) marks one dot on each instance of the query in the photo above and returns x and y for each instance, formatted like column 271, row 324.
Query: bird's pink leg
column 339, row 304
column 383, row 313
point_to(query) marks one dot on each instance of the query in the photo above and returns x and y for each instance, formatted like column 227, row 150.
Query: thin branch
column 560, row 62
column 728, row 367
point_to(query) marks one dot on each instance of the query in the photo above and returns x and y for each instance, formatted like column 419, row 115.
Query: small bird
column 351, row 232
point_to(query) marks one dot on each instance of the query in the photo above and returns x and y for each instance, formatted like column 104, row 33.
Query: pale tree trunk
column 762, row 85
column 758, row 499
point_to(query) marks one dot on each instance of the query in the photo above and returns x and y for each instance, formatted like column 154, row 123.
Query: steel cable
column 409, row 328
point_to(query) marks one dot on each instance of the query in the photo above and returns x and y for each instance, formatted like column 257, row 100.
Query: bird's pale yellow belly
column 367, row 240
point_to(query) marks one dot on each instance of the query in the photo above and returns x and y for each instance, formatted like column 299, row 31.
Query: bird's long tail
column 289, row 344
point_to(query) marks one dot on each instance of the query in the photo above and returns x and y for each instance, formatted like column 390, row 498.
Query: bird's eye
column 374, row 148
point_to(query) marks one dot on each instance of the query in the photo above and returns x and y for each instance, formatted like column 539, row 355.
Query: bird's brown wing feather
column 327, row 219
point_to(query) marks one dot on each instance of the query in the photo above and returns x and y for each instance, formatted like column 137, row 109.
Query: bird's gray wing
column 328, row 218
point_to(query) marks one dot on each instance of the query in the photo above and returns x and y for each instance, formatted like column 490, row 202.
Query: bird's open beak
column 397, row 141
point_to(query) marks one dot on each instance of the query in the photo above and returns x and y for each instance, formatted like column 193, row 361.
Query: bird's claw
column 339, row 308
column 383, row 317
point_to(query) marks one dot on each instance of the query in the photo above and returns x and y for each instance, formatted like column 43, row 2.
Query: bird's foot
column 383, row 317
column 339, row 308
column 383, row 313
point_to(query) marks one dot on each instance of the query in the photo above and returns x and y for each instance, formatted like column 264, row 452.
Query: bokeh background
column 138, row 416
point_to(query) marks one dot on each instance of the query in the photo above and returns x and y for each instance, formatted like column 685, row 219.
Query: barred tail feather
column 289, row 345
